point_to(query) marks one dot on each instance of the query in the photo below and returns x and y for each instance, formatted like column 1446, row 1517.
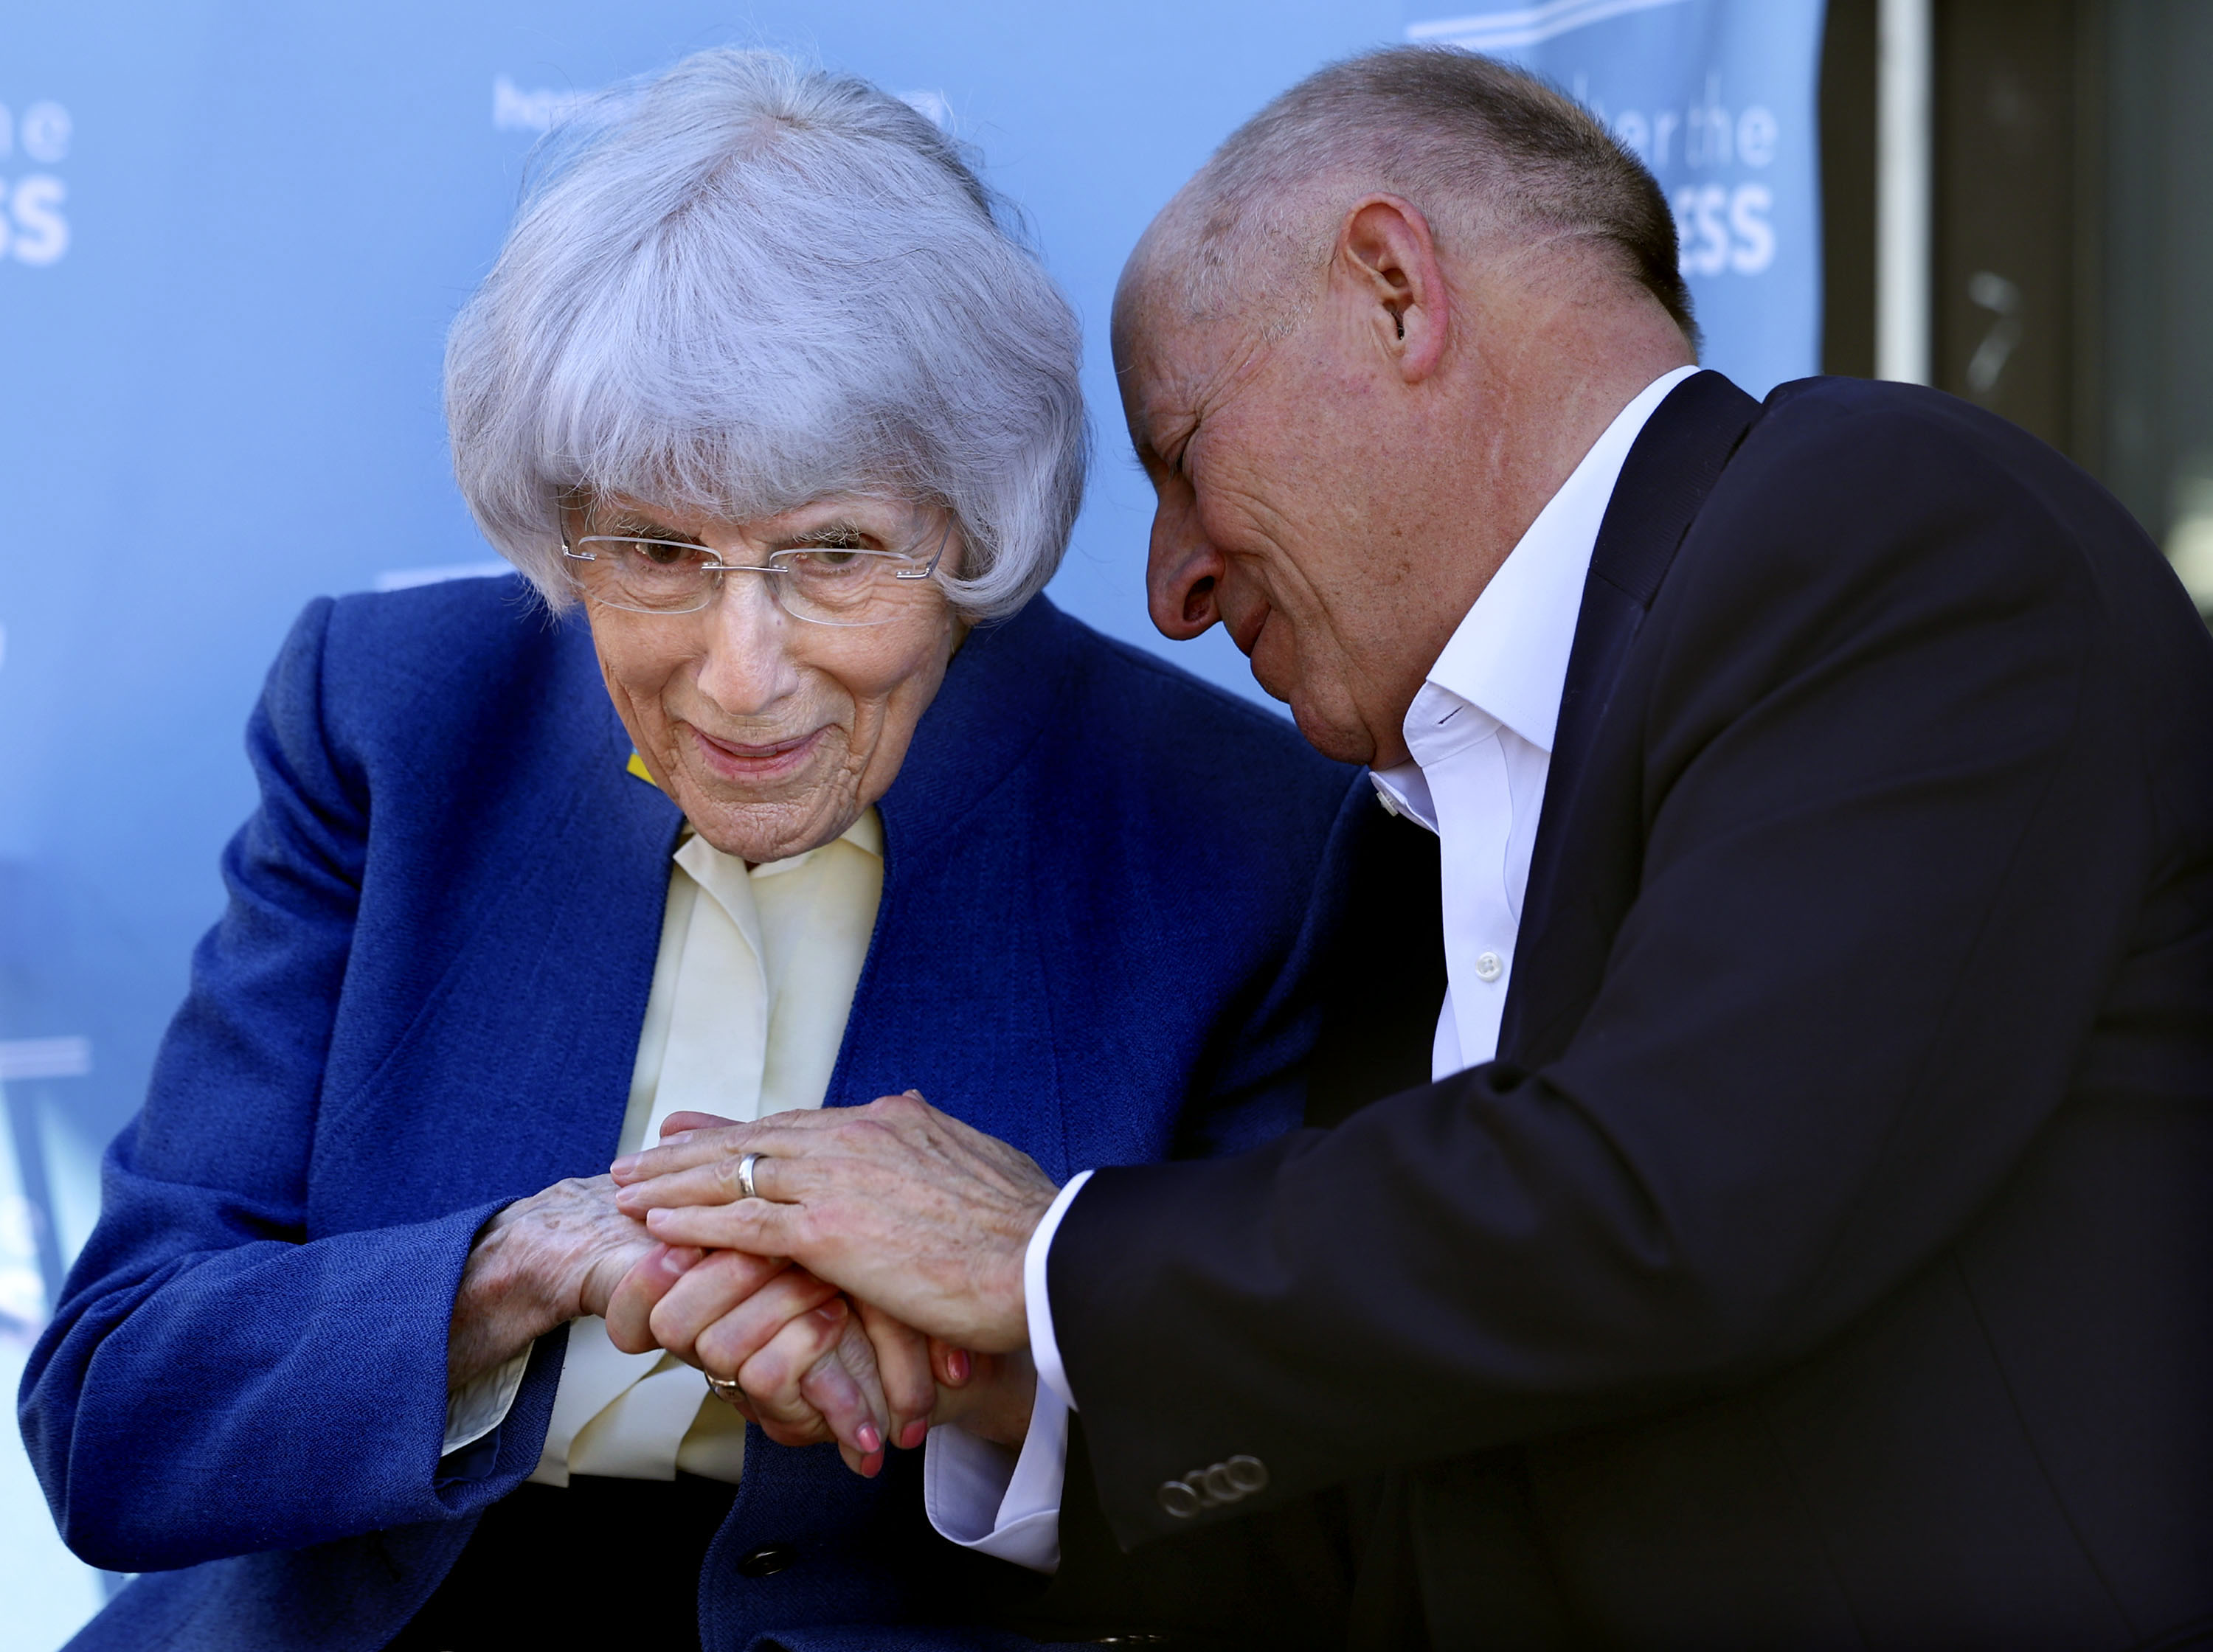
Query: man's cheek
column 1275, row 663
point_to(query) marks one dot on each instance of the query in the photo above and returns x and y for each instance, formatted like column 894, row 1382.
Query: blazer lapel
column 514, row 1068
column 1671, row 468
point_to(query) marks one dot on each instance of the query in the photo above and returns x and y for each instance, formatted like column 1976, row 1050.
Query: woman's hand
column 811, row 1366
column 541, row 1262
column 804, row 1358
column 894, row 1203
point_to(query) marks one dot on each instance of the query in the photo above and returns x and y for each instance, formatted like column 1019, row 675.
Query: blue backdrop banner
column 1717, row 97
column 231, row 237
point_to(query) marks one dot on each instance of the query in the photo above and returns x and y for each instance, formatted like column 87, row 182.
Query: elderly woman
column 791, row 790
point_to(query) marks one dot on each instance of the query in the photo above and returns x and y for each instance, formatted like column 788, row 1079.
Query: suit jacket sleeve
column 202, row 1390
column 1886, row 830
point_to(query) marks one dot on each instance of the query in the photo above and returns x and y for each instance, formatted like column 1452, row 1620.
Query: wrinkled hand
column 811, row 1366
column 895, row 1203
column 802, row 1357
column 539, row 1263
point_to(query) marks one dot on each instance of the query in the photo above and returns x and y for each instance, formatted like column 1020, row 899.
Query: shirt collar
column 1508, row 659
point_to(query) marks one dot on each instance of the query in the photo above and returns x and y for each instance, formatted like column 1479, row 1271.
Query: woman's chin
column 772, row 826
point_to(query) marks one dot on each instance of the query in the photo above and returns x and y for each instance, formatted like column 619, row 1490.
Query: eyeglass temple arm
column 929, row 567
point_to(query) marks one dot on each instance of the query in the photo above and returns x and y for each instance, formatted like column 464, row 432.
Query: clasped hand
column 811, row 1363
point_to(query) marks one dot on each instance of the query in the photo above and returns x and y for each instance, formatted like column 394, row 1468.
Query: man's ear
column 1386, row 267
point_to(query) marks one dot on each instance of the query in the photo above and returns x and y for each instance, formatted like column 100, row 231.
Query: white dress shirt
column 1480, row 736
column 752, row 989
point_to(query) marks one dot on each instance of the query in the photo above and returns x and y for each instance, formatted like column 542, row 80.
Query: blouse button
column 1488, row 966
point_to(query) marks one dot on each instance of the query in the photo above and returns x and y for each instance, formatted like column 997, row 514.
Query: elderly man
column 1803, row 1240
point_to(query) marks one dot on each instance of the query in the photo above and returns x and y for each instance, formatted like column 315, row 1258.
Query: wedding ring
column 745, row 1175
column 723, row 1388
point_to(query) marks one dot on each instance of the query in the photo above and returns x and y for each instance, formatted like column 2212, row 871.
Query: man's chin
column 1337, row 742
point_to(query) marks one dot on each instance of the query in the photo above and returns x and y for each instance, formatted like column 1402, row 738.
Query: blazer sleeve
column 204, row 1387
column 1894, row 830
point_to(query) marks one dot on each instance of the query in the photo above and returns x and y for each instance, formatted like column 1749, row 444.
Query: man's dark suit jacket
column 1825, row 1259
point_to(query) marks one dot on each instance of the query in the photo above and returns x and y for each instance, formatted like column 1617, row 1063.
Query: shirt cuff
column 985, row 1497
column 1045, row 1352
column 481, row 1404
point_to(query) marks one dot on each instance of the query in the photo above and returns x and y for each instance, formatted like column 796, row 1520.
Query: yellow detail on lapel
column 637, row 766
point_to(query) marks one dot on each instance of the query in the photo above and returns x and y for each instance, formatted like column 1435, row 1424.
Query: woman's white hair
column 746, row 285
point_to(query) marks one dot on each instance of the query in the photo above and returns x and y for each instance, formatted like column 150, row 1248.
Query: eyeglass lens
column 826, row 585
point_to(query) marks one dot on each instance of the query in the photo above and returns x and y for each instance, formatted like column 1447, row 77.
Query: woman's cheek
column 891, row 698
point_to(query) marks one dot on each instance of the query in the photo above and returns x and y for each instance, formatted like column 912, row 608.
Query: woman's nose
column 748, row 665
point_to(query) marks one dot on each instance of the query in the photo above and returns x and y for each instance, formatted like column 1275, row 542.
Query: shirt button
column 1488, row 966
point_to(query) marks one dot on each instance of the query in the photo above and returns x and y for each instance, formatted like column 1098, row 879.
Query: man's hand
column 894, row 1203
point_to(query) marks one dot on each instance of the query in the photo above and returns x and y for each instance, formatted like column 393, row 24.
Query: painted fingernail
column 915, row 1433
column 832, row 1311
column 870, row 1437
column 957, row 1365
column 872, row 1464
column 622, row 1166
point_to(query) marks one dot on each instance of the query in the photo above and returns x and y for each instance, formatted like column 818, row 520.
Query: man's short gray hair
column 1480, row 147
column 747, row 284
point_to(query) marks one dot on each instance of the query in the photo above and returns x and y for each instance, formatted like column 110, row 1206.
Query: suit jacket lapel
column 1671, row 467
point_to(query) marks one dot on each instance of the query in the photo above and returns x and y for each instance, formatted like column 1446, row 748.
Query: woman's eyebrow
column 627, row 525
column 825, row 533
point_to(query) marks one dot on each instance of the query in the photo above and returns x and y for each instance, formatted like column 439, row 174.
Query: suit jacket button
column 1247, row 1474
column 768, row 1561
column 1178, row 1499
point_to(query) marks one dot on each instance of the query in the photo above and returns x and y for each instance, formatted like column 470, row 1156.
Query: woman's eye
column 820, row 559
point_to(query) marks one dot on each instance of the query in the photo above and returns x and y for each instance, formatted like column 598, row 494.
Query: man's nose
column 1182, row 571
column 748, row 666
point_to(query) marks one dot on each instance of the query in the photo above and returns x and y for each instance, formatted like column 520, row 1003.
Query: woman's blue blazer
column 1105, row 885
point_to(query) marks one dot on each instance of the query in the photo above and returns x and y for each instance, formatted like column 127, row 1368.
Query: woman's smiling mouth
column 733, row 761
